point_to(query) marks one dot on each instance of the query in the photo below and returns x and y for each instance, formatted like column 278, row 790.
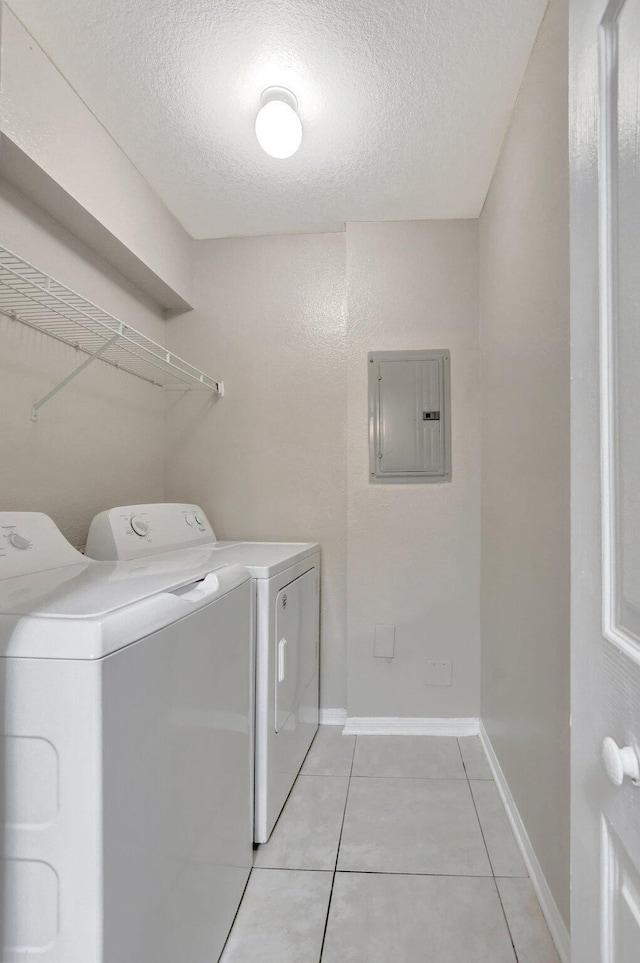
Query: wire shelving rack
column 29, row 296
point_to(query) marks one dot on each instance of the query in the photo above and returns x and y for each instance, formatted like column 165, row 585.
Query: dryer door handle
column 282, row 659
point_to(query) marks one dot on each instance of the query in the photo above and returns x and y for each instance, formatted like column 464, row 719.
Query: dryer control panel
column 133, row 531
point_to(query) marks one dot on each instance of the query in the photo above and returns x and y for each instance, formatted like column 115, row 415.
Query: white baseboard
column 401, row 726
column 555, row 922
column 333, row 717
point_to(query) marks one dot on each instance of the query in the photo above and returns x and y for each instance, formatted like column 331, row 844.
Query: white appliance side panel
column 50, row 808
column 178, row 785
column 280, row 754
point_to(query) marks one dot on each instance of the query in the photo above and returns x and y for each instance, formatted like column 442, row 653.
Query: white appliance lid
column 264, row 559
column 94, row 589
column 89, row 611
column 57, row 604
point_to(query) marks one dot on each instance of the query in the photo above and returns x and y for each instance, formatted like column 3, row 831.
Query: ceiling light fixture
column 278, row 126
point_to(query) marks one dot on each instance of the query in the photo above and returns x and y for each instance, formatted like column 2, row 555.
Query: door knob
column 618, row 763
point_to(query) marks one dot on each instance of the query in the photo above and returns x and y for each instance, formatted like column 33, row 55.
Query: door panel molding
column 620, row 898
column 617, row 613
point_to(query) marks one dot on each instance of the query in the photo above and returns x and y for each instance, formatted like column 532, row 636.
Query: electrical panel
column 409, row 416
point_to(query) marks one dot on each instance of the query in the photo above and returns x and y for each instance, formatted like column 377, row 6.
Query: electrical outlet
column 439, row 673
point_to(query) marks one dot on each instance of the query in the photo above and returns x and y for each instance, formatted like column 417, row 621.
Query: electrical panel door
column 409, row 415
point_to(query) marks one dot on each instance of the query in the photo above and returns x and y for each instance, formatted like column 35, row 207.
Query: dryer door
column 296, row 641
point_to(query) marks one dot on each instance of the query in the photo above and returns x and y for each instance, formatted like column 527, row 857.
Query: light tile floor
column 391, row 849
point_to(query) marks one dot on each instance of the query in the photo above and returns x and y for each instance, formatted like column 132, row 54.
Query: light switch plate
column 384, row 641
column 439, row 673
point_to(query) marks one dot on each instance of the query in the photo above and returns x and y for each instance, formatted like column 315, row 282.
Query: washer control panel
column 31, row 542
column 133, row 531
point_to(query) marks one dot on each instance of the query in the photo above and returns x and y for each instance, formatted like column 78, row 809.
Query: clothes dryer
column 286, row 582
column 126, row 730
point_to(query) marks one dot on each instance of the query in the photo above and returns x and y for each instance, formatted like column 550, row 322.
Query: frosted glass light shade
column 278, row 129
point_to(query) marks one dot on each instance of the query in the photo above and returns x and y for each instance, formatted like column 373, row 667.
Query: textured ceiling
column 404, row 103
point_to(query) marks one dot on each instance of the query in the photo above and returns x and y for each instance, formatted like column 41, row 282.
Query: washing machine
column 286, row 584
column 126, row 723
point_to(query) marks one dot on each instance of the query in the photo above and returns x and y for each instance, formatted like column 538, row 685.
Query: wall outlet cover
column 439, row 673
column 384, row 641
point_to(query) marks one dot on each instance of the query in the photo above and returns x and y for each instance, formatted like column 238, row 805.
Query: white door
column 605, row 426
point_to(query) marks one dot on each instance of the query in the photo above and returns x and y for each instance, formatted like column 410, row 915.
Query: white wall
column 100, row 441
column 42, row 114
column 413, row 550
column 268, row 460
column 524, row 285
column 271, row 459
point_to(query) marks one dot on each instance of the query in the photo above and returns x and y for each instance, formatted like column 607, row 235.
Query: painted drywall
column 46, row 119
column 99, row 442
column 268, row 460
column 271, row 459
column 524, row 310
column 413, row 550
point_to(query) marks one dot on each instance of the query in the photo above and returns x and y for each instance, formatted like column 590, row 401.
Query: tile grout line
column 335, row 868
column 380, row 872
column 495, row 883
column 476, row 810
column 504, row 913
column 419, row 778
column 255, row 868
column 244, row 891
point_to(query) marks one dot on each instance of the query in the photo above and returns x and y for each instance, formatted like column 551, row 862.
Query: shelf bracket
column 85, row 364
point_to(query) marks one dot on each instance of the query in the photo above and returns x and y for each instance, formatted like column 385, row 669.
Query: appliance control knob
column 139, row 526
column 618, row 763
column 19, row 541
column 198, row 520
column 189, row 518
